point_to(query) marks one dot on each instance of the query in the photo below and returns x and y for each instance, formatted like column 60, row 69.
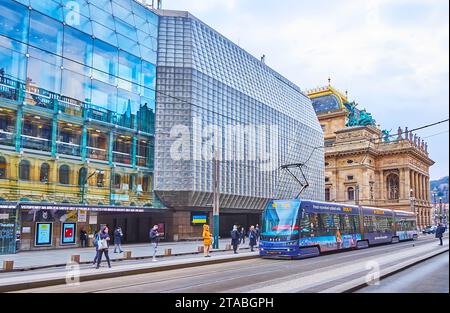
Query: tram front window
column 279, row 222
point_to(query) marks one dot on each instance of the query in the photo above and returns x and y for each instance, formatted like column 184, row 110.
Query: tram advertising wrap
column 302, row 228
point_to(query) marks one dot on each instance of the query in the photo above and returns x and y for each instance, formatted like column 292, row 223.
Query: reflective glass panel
column 46, row 33
column 104, row 95
column 48, row 7
column 12, row 63
column 14, row 21
column 105, row 60
column 76, row 86
column 43, row 75
column 78, row 46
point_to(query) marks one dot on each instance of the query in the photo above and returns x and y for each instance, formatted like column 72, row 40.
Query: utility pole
column 440, row 209
column 216, row 195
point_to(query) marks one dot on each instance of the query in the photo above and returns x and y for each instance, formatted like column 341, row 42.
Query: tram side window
column 384, row 224
column 369, row 224
column 377, row 224
column 406, row 225
column 349, row 224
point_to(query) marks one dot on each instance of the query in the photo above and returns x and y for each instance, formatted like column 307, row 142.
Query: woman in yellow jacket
column 207, row 240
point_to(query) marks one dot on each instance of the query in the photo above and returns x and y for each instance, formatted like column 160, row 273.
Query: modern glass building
column 95, row 96
column 205, row 80
column 77, row 102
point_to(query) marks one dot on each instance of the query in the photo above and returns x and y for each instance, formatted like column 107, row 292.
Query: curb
column 360, row 283
column 61, row 281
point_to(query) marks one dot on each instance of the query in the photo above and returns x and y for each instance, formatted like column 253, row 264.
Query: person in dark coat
column 154, row 240
column 83, row 238
column 258, row 233
column 235, row 238
column 242, row 236
column 118, row 234
column 252, row 236
column 96, row 240
column 103, row 245
column 440, row 230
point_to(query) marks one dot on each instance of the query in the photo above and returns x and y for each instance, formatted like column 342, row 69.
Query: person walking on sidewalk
column 258, row 233
column 83, row 238
column 118, row 234
column 440, row 230
column 242, row 236
column 235, row 238
column 252, row 237
column 103, row 245
column 207, row 241
column 154, row 239
column 95, row 242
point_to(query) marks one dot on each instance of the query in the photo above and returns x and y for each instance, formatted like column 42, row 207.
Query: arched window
column 117, row 181
column 82, row 175
column 43, row 175
column 64, row 174
column 393, row 187
column 24, row 170
column 101, row 179
column 351, row 194
column 2, row 167
column 327, row 194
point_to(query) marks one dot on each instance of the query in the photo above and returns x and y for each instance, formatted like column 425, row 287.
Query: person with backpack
column 252, row 237
column 440, row 230
column 95, row 242
column 235, row 238
column 103, row 245
column 118, row 234
column 154, row 239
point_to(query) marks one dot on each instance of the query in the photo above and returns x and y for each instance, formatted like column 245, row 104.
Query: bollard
column 127, row 255
column 168, row 252
column 75, row 258
column 201, row 249
column 8, row 265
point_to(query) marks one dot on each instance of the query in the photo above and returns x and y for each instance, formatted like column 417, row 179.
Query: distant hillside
column 441, row 187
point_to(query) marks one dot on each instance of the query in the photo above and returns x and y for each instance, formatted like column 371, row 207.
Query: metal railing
column 36, row 143
column 68, row 148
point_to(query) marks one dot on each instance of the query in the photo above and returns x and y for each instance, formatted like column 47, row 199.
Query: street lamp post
column 216, row 195
column 440, row 209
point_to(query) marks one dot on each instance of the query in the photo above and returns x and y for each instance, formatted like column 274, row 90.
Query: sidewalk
column 31, row 259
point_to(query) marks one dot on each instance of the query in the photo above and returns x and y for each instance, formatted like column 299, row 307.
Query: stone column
column 404, row 184
column 419, row 181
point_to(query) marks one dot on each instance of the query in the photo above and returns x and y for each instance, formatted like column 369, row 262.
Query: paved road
column 261, row 275
column 428, row 277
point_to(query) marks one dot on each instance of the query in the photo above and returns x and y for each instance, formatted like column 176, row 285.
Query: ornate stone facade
column 368, row 166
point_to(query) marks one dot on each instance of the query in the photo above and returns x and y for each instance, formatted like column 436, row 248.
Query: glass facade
column 204, row 79
column 78, row 81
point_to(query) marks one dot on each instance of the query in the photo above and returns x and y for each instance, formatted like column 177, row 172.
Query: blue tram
column 303, row 228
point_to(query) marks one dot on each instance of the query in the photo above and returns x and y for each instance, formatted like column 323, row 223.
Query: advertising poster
column 162, row 230
column 43, row 234
column 68, row 233
column 82, row 216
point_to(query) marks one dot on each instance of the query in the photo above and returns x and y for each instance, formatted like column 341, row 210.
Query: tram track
column 225, row 277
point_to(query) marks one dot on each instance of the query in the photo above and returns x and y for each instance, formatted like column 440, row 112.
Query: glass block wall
column 205, row 79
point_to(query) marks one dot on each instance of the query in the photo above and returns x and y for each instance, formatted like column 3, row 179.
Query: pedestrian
column 103, row 245
column 235, row 238
column 83, row 238
column 252, row 237
column 95, row 242
column 207, row 241
column 440, row 230
column 242, row 236
column 118, row 234
column 154, row 239
column 258, row 234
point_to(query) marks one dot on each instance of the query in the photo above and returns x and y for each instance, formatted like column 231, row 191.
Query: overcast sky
column 391, row 55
